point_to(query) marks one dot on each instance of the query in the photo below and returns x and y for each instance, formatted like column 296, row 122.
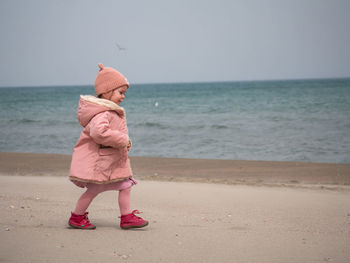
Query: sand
column 302, row 216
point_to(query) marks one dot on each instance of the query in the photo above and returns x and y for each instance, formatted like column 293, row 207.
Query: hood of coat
column 90, row 106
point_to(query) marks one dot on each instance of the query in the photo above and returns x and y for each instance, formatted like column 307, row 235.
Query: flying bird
column 120, row 48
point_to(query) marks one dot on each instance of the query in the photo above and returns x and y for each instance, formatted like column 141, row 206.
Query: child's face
column 118, row 95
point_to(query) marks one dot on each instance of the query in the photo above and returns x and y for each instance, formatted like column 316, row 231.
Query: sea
column 288, row 120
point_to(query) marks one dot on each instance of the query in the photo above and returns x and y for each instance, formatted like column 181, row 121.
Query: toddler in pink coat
column 100, row 160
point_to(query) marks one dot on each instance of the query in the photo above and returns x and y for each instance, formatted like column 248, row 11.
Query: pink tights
column 87, row 197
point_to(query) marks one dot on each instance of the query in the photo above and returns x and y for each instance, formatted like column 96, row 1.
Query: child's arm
column 101, row 132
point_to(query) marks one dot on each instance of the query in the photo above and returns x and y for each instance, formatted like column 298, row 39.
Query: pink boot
column 132, row 221
column 80, row 221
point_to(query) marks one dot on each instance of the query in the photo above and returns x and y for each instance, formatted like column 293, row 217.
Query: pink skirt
column 116, row 186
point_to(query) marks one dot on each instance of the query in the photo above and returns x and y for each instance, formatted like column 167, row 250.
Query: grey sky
column 60, row 42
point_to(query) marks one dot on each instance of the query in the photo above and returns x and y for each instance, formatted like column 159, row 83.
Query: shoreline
column 268, row 173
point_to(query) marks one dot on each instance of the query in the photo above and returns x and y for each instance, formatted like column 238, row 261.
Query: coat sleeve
column 101, row 132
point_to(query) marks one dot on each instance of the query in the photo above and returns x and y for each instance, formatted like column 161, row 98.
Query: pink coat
column 100, row 155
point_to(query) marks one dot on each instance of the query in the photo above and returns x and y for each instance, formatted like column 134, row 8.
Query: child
column 100, row 159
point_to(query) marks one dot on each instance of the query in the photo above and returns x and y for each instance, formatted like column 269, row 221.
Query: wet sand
column 193, row 170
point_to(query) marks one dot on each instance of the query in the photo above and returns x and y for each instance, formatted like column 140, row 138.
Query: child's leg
column 84, row 201
column 124, row 201
column 128, row 219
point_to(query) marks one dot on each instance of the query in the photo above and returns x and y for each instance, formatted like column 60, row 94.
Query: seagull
column 120, row 48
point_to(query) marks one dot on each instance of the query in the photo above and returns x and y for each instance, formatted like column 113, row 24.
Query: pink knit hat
column 109, row 79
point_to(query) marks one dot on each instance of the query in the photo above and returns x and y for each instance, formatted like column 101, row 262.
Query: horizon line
column 184, row 82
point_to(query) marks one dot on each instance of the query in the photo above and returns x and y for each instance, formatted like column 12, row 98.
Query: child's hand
column 129, row 145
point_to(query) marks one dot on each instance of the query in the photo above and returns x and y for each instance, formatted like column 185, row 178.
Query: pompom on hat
column 109, row 79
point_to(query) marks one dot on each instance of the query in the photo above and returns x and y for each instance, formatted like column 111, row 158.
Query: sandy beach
column 199, row 211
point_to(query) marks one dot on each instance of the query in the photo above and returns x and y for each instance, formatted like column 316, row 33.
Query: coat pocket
column 107, row 151
column 106, row 161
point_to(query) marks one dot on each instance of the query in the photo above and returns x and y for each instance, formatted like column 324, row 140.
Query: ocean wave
column 47, row 123
column 196, row 126
column 23, row 121
column 151, row 125
column 219, row 126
